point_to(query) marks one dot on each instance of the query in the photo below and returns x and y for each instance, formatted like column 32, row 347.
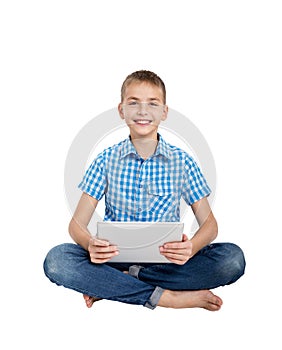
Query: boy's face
column 142, row 109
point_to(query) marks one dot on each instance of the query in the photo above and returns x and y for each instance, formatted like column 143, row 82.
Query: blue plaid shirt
column 144, row 190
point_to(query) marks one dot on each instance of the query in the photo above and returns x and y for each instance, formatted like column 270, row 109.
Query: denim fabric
column 215, row 265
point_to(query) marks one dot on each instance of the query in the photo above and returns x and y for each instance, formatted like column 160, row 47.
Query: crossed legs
column 165, row 285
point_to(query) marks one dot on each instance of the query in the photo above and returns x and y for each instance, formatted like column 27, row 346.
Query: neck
column 145, row 147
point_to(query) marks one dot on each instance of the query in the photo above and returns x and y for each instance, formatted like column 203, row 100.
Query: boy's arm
column 100, row 251
column 181, row 252
column 208, row 229
column 78, row 225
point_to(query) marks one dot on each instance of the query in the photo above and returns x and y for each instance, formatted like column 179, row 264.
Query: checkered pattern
column 144, row 190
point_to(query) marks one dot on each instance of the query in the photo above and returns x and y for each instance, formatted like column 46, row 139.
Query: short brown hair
column 144, row 76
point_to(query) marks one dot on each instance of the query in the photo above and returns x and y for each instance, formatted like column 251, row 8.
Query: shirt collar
column 127, row 148
column 162, row 148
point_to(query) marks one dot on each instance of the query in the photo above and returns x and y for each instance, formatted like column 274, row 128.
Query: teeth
column 143, row 121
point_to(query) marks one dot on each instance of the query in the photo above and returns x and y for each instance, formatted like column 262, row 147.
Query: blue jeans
column 215, row 265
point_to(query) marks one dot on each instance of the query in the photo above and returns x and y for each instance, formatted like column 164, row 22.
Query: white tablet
column 139, row 241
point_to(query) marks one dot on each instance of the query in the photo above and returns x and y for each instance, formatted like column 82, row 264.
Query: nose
column 142, row 110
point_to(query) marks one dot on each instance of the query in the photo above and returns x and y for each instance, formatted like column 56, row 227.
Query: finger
column 99, row 261
column 177, row 249
column 176, row 261
column 170, row 255
column 103, row 249
column 99, row 242
column 178, row 245
column 181, row 252
column 102, row 257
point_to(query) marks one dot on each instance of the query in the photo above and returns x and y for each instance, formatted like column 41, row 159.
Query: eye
column 132, row 103
column 153, row 104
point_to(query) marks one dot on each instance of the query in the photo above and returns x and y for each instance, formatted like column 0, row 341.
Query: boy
column 143, row 179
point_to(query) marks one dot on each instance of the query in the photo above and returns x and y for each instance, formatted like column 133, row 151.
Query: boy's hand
column 101, row 251
column 177, row 252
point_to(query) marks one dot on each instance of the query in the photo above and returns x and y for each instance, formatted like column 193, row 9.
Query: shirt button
column 139, row 209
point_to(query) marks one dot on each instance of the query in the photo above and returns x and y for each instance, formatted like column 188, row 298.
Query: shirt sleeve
column 195, row 186
column 94, row 181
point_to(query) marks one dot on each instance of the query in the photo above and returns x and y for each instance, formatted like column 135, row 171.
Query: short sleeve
column 94, row 180
column 195, row 186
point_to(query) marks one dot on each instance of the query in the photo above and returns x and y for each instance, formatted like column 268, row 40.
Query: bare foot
column 187, row 299
column 89, row 301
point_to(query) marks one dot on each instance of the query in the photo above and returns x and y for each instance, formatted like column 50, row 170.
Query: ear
column 165, row 112
column 120, row 110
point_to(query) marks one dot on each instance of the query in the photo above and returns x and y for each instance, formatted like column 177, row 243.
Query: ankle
column 167, row 299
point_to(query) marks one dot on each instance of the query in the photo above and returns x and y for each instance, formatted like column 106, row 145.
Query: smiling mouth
column 143, row 121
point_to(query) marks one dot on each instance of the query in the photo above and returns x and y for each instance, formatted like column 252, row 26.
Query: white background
column 62, row 63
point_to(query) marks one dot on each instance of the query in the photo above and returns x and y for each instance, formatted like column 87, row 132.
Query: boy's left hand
column 177, row 252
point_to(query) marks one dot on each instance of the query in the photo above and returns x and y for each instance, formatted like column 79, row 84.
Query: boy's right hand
column 101, row 251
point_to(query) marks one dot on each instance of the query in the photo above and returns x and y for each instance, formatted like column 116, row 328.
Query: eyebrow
column 138, row 99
